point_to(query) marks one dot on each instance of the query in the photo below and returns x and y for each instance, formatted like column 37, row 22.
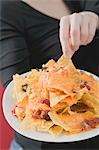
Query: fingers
column 92, row 30
column 84, row 31
column 88, row 27
column 76, row 30
column 75, row 20
column 64, row 36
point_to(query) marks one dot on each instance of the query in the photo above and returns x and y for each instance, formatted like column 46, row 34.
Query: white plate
column 8, row 105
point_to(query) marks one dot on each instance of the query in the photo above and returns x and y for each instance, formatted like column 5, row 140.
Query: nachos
column 57, row 99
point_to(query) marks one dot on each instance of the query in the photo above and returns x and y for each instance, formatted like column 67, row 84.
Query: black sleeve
column 90, row 5
column 14, row 57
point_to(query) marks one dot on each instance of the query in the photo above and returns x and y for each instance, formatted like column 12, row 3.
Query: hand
column 76, row 30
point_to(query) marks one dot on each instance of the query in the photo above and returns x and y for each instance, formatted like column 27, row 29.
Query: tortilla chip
column 18, row 93
column 30, row 123
column 35, row 124
column 91, row 101
column 62, row 81
column 45, row 126
column 50, row 65
column 55, row 130
column 57, row 121
column 54, row 98
column 58, row 101
column 71, row 123
column 33, row 75
column 65, row 61
column 92, row 84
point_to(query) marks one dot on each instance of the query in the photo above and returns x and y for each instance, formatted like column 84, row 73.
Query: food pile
column 57, row 99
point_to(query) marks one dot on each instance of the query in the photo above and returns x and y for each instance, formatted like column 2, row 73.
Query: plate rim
column 80, row 136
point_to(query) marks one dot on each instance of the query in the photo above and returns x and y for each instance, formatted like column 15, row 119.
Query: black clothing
column 83, row 5
column 29, row 38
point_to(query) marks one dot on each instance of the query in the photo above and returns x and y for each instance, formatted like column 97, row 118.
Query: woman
column 32, row 32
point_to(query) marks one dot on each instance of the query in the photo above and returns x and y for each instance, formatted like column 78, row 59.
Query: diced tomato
column 36, row 114
column 88, row 124
column 41, row 114
column 85, row 84
column 13, row 112
column 45, row 101
column 18, row 112
column 92, row 123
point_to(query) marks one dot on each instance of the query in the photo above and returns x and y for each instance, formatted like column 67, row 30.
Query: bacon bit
column 88, row 87
column 45, row 101
column 85, row 126
column 14, row 113
column 82, row 86
column 41, row 114
column 36, row 114
column 85, row 84
column 46, row 117
column 18, row 112
column 90, row 123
